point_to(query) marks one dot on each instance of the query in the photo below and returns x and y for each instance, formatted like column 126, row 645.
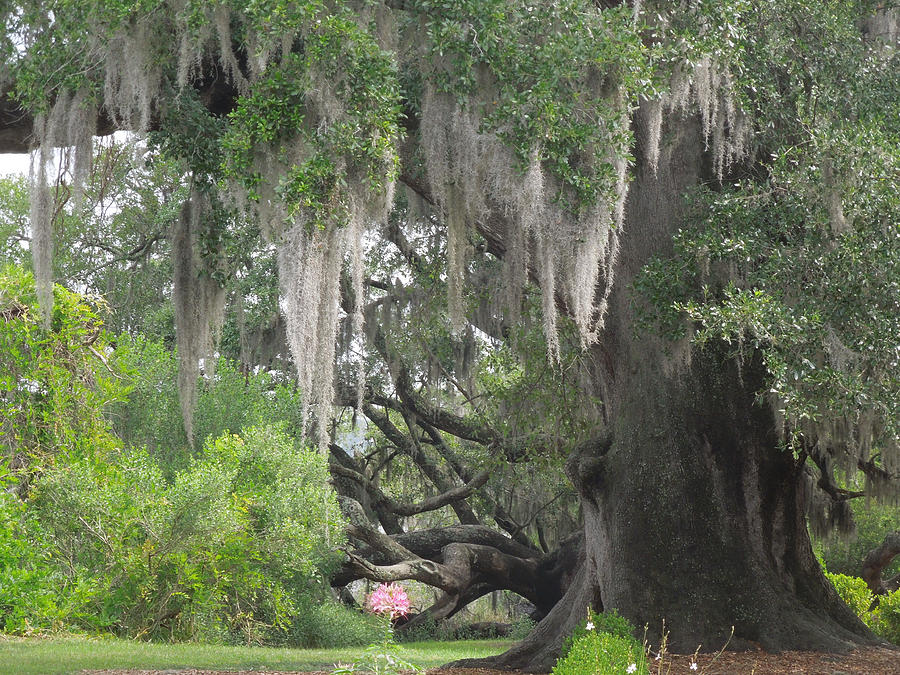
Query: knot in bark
column 585, row 466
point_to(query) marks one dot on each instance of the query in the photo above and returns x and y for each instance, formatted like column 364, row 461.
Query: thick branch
column 426, row 571
column 461, row 567
column 429, row 544
column 877, row 560
column 345, row 466
column 458, row 568
column 826, row 479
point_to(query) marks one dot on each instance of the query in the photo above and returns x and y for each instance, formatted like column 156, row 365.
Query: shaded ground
column 869, row 661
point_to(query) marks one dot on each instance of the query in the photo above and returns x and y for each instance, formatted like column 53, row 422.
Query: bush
column 28, row 598
column 224, row 552
column 886, row 617
column 603, row 644
column 610, row 622
column 321, row 622
column 854, row 592
column 600, row 653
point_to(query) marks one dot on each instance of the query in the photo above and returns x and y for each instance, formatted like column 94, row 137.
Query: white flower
column 589, row 625
column 631, row 668
column 693, row 665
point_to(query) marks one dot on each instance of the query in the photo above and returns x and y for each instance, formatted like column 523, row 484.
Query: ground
column 868, row 661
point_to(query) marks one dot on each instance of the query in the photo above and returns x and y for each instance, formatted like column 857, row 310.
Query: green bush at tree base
column 601, row 653
column 883, row 619
column 604, row 644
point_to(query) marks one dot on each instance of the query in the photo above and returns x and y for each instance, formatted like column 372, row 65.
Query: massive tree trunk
column 696, row 517
column 693, row 514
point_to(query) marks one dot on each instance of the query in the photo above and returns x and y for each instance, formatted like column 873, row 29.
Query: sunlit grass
column 52, row 656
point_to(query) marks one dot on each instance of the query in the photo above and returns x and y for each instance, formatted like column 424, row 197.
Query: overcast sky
column 13, row 164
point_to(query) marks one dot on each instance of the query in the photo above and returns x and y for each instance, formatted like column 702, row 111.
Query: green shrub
column 321, row 622
column 28, row 598
column 600, row 653
column 610, row 622
column 886, row 617
column 224, row 552
column 884, row 620
column 854, row 592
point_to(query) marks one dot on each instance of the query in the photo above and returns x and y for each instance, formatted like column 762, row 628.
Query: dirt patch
column 868, row 661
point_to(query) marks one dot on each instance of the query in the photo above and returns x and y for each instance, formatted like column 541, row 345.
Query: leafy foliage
column 549, row 89
column 55, row 382
column 232, row 400
column 882, row 617
column 223, row 552
column 13, row 221
column 605, row 653
column 321, row 622
column 886, row 617
column 854, row 592
column 611, row 623
column 29, row 589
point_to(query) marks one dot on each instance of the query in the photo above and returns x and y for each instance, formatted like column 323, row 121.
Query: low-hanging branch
column 465, row 562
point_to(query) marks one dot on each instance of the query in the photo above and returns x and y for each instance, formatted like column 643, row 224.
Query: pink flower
column 388, row 599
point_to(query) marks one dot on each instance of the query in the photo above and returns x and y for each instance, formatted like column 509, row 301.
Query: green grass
column 52, row 656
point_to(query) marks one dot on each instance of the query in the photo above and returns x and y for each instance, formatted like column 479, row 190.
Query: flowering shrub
column 391, row 602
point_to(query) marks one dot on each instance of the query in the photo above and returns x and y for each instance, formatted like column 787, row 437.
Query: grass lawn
column 52, row 656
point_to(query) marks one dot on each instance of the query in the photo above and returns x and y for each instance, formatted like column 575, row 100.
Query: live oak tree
column 734, row 340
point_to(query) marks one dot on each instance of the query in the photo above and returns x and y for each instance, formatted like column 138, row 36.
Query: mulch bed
column 868, row 661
